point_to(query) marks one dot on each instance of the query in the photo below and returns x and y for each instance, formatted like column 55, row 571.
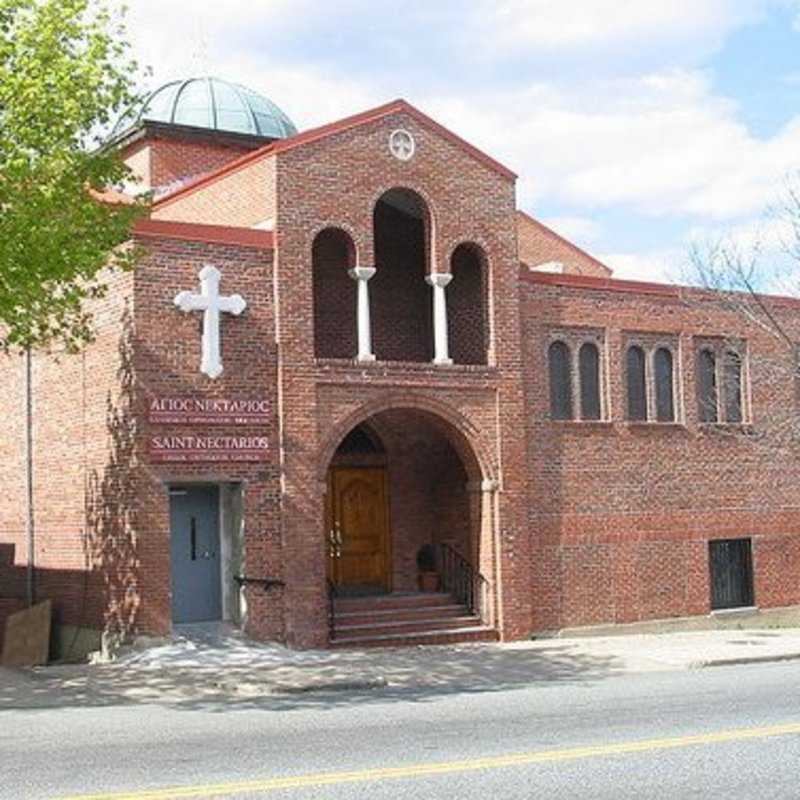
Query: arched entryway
column 406, row 516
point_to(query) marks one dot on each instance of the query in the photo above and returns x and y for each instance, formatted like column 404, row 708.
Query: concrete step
column 422, row 613
column 479, row 633
column 396, row 600
column 409, row 627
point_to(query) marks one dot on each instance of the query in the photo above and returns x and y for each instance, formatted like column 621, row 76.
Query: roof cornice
column 211, row 234
column 150, row 129
column 331, row 129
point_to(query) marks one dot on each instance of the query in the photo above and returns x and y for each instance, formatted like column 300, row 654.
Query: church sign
column 212, row 448
column 208, row 411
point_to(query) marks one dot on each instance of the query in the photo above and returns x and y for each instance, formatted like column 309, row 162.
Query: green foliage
column 65, row 74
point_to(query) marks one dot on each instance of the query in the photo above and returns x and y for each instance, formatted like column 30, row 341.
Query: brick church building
column 353, row 395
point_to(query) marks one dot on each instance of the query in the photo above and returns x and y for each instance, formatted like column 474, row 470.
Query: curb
column 331, row 686
column 737, row 661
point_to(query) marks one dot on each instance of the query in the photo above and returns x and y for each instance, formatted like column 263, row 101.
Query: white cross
column 211, row 303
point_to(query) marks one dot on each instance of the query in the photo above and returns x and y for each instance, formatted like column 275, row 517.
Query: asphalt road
column 729, row 732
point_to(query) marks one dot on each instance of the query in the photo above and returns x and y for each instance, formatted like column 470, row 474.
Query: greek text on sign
column 208, row 411
column 208, row 448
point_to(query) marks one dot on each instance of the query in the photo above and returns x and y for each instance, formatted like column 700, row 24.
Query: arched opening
column 403, row 481
column 332, row 255
column 467, row 305
column 664, row 389
column 402, row 326
column 559, row 365
column 589, row 378
column 707, row 386
column 636, row 384
column 732, row 381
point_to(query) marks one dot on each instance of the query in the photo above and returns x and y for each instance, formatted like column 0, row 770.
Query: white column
column 439, row 280
column 361, row 275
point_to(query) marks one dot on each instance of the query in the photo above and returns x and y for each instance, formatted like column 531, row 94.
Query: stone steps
column 420, row 613
column 397, row 600
column 402, row 620
column 479, row 633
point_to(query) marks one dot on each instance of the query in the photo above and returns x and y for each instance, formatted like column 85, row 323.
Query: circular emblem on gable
column 401, row 144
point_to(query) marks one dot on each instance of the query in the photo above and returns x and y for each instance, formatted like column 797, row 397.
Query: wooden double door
column 358, row 529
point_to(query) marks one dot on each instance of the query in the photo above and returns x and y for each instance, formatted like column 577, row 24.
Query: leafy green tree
column 65, row 75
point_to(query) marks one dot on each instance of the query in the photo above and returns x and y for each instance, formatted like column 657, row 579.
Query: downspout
column 30, row 525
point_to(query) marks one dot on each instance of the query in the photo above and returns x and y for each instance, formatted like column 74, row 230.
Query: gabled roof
column 340, row 126
column 571, row 245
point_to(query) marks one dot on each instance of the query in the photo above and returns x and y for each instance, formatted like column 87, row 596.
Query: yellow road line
column 446, row 767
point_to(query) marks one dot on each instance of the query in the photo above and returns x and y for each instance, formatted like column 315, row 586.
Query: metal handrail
column 463, row 581
column 331, row 609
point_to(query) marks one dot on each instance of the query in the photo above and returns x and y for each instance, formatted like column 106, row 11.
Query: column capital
column 438, row 279
column 361, row 273
column 485, row 486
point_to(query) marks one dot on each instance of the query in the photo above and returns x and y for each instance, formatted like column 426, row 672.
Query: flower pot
column 428, row 581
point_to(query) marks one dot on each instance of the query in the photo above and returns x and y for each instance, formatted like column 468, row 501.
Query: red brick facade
column 570, row 522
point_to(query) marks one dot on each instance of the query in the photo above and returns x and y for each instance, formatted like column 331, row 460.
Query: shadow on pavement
column 306, row 680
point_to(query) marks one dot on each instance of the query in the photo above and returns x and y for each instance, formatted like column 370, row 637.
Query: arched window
column 560, row 371
column 589, row 374
column 706, row 386
column 467, row 316
column 665, row 402
column 635, row 378
column 400, row 300
column 732, row 369
column 334, row 294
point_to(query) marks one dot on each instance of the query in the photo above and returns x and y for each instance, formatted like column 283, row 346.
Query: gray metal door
column 194, row 520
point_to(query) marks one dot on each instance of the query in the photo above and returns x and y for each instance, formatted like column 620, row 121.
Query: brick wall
column 244, row 197
column 337, row 181
column 102, row 514
column 160, row 162
column 73, row 395
column 620, row 513
column 602, row 521
column 167, row 362
column 13, row 540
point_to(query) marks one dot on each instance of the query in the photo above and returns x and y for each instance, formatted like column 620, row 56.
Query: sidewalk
column 219, row 667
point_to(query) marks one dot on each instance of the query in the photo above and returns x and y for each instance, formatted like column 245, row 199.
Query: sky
column 637, row 127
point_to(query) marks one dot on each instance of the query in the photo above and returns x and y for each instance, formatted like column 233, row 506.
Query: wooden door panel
column 360, row 526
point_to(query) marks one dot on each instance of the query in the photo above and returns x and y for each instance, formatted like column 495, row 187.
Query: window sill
column 654, row 425
column 732, row 612
column 726, row 427
column 603, row 424
column 410, row 366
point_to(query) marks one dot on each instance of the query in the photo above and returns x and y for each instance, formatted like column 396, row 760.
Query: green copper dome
column 214, row 104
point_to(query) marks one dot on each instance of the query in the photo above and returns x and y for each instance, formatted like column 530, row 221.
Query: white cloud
column 655, row 139
column 553, row 26
column 655, row 144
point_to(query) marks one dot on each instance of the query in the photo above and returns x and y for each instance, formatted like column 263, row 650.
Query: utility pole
column 30, row 523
